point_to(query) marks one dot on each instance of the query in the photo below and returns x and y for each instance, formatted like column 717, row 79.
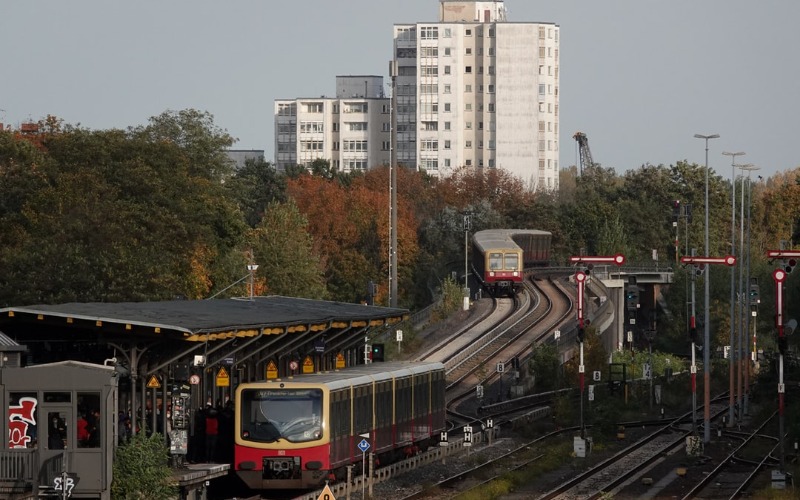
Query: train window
column 495, row 261
column 512, row 261
column 269, row 415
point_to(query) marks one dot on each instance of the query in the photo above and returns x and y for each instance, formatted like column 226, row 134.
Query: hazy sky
column 639, row 77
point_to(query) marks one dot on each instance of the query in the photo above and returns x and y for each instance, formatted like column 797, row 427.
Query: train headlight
column 491, row 274
column 516, row 273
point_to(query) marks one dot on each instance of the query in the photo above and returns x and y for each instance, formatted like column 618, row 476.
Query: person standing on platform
column 212, row 432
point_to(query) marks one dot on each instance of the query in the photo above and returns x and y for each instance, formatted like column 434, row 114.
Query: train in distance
column 299, row 432
column 500, row 256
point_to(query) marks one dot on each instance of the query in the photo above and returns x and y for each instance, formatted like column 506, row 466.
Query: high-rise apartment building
column 352, row 130
column 477, row 90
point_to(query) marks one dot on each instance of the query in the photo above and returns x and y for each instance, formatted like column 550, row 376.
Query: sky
column 639, row 77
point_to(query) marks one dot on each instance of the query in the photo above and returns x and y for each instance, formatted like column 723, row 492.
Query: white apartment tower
column 352, row 130
column 477, row 90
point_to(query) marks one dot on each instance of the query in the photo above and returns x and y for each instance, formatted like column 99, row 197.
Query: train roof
column 355, row 375
column 503, row 238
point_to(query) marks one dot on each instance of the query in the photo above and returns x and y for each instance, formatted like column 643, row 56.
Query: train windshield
column 495, row 261
column 269, row 415
column 512, row 262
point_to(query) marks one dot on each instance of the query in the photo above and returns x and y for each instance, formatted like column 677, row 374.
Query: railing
column 17, row 469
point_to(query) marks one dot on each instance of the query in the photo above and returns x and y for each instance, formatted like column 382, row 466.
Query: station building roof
column 201, row 320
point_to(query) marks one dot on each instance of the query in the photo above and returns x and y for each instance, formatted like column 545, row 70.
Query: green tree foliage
column 141, row 470
column 255, row 186
column 284, row 252
column 118, row 216
column 545, row 367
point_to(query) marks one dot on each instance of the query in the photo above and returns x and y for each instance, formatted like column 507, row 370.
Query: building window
column 467, row 88
column 447, row 33
column 287, row 109
column 407, row 71
column 429, row 145
column 428, row 32
column 446, row 88
column 542, row 89
column 311, row 127
column 310, row 145
column 468, row 106
column 469, row 51
column 354, row 145
column 386, row 127
column 491, row 144
column 542, row 52
column 468, row 32
column 491, row 32
column 386, row 145
column 541, row 32
column 491, row 51
column 429, row 51
column 541, row 164
column 447, row 125
column 468, row 163
column 429, row 108
column 447, row 162
column 446, row 144
column 490, row 89
column 428, row 70
column 541, row 145
column 480, row 125
column 428, row 88
column 430, row 126
column 447, row 70
column 447, row 51
column 468, row 144
column 468, row 69
column 541, row 126
column 356, row 107
column 468, row 125
column 356, row 126
column 312, row 107
column 447, row 107
column 491, row 107
column 430, row 164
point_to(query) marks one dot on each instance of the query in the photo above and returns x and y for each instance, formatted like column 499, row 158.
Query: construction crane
column 585, row 152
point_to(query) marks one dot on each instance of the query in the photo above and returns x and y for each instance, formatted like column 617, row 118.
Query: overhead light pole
column 744, row 362
column 706, row 312
column 732, row 399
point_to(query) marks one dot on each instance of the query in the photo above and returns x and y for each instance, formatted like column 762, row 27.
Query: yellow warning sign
column 223, row 380
column 153, row 383
column 308, row 365
column 272, row 370
column 339, row 361
column 326, row 494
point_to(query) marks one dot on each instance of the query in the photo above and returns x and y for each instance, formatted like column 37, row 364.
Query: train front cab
column 502, row 273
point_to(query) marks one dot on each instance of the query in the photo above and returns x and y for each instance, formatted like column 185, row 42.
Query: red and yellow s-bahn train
column 500, row 256
column 298, row 432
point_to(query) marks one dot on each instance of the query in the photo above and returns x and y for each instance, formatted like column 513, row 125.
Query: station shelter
column 174, row 356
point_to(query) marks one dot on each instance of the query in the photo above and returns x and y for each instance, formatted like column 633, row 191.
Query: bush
column 141, row 470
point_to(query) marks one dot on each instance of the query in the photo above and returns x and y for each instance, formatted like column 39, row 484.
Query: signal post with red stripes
column 580, row 280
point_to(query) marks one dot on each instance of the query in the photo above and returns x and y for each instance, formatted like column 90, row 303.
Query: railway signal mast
column 788, row 261
column 580, row 280
column 699, row 263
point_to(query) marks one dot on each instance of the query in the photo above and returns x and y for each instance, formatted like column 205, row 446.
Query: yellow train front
column 298, row 432
column 497, row 262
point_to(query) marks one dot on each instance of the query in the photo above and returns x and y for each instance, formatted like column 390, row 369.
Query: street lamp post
column 744, row 361
column 706, row 309
column 732, row 356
